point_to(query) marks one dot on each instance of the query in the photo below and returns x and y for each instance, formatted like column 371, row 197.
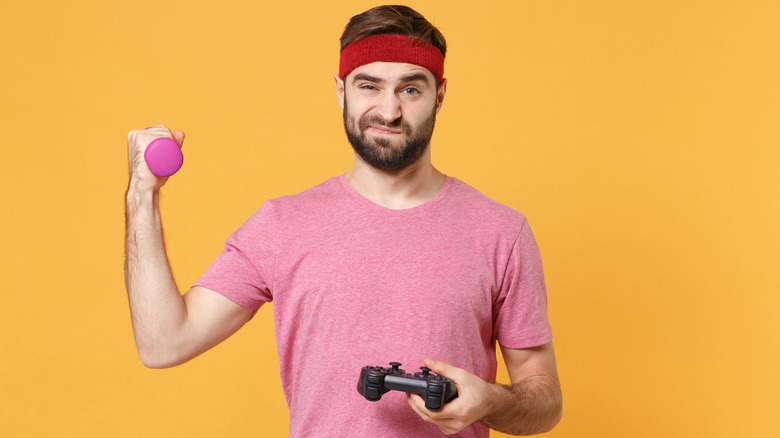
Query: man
column 392, row 261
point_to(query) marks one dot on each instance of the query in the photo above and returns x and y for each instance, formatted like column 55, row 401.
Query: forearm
column 528, row 407
column 156, row 305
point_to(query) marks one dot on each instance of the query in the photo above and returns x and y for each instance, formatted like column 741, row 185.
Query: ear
column 440, row 94
column 339, row 90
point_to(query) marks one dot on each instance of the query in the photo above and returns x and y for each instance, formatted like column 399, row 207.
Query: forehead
column 392, row 71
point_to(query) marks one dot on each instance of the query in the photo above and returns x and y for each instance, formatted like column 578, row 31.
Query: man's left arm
column 531, row 404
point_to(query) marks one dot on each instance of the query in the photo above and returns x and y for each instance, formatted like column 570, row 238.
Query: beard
column 379, row 152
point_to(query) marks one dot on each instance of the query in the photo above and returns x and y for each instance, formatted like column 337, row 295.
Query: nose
column 389, row 107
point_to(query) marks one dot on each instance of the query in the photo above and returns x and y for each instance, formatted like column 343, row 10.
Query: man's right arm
column 169, row 328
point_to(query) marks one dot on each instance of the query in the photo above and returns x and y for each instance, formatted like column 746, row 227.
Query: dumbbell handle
column 163, row 156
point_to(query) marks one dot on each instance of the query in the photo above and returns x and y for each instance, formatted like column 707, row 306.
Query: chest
column 388, row 274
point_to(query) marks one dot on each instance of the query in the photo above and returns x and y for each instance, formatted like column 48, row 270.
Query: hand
column 471, row 405
column 137, row 142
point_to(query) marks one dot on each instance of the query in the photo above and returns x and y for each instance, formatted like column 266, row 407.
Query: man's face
column 389, row 113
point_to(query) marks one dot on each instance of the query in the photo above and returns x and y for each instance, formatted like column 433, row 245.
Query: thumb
column 444, row 369
column 179, row 137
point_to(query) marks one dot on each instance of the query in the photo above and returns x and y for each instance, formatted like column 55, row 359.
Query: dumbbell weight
column 163, row 156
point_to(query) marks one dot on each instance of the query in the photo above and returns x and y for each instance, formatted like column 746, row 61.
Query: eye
column 410, row 91
column 368, row 87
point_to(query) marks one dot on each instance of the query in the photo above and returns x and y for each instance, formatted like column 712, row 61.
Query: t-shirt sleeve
column 520, row 313
column 244, row 271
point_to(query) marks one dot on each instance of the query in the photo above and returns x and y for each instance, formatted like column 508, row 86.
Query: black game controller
column 435, row 390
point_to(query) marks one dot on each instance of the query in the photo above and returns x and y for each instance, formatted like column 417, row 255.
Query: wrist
column 529, row 407
column 497, row 396
column 139, row 198
column 139, row 188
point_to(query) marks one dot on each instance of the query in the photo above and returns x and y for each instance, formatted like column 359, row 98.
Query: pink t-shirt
column 356, row 284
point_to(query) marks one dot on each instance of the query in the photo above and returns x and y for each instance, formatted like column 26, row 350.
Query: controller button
column 435, row 389
column 372, row 393
column 433, row 403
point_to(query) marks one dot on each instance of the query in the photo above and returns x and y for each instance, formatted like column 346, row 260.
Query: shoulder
column 483, row 209
column 312, row 202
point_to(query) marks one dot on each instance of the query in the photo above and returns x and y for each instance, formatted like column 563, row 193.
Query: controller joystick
column 434, row 389
column 163, row 156
column 425, row 372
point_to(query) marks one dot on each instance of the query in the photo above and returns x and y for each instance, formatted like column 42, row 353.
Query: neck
column 400, row 190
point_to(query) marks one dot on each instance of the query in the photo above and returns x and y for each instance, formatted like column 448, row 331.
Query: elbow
column 157, row 359
column 555, row 419
column 155, row 364
column 559, row 414
column 160, row 350
column 548, row 416
column 555, row 410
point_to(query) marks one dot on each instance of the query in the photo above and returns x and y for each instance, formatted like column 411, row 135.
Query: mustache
column 365, row 122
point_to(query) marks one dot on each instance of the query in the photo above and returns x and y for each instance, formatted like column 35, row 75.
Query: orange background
column 640, row 138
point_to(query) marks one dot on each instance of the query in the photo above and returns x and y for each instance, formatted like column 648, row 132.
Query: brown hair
column 393, row 20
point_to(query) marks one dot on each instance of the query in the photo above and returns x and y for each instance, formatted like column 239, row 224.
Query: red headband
column 391, row 48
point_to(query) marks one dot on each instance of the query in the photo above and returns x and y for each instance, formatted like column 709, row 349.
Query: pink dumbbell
column 163, row 156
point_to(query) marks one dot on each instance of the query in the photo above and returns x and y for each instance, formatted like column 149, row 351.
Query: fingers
column 179, row 137
column 140, row 138
column 164, row 131
column 137, row 141
column 444, row 419
column 460, row 412
column 418, row 404
column 444, row 369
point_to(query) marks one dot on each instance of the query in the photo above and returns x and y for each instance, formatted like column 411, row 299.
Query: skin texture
column 392, row 94
column 380, row 93
column 378, row 151
column 390, row 104
column 530, row 405
column 169, row 329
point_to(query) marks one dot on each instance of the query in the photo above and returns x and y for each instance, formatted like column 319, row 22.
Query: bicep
column 522, row 363
column 211, row 318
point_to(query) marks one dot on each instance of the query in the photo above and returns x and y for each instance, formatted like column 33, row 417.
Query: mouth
column 384, row 130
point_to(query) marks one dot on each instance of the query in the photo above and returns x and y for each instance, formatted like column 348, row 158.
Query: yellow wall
column 639, row 137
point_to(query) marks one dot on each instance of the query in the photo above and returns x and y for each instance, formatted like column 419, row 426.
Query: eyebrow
column 408, row 78
column 415, row 77
column 366, row 77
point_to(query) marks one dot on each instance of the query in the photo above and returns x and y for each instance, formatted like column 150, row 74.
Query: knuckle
column 453, row 427
column 426, row 418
